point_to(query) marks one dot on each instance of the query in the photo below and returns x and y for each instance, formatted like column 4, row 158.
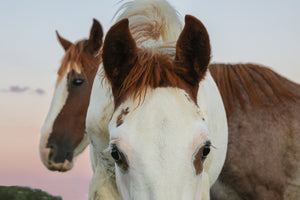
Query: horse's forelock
column 154, row 68
column 76, row 60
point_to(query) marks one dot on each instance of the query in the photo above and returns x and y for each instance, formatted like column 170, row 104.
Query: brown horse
column 63, row 133
column 263, row 112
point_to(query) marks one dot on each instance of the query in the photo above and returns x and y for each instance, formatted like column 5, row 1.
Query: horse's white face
column 158, row 143
column 158, row 135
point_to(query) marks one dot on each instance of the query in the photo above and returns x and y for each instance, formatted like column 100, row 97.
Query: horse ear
column 119, row 53
column 64, row 43
column 95, row 39
column 193, row 50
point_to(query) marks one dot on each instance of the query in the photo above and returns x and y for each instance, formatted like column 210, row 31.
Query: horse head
column 63, row 133
column 160, row 132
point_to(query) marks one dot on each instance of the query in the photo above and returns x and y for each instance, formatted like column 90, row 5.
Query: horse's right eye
column 205, row 151
column 120, row 158
column 115, row 153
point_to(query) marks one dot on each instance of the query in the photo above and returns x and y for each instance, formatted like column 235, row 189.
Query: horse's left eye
column 77, row 82
column 115, row 153
column 205, row 151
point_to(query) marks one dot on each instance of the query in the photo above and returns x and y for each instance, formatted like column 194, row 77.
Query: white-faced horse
column 63, row 133
column 165, row 26
column 168, row 112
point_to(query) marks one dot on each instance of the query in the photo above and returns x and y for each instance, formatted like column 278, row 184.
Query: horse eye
column 115, row 153
column 77, row 82
column 205, row 151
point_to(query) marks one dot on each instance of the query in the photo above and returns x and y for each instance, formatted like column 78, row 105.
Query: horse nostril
column 52, row 150
column 69, row 156
column 59, row 151
column 50, row 145
column 50, row 154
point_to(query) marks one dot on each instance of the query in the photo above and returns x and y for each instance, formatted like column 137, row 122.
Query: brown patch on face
column 200, row 157
column 120, row 118
column 123, row 164
column 69, row 126
column 198, row 162
column 71, row 119
column 119, row 158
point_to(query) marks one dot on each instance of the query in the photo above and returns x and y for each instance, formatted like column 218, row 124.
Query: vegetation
column 24, row 193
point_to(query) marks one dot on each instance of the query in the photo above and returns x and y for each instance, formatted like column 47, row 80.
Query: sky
column 265, row 32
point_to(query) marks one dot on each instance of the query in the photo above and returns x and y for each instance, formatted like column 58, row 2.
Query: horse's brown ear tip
column 57, row 35
column 124, row 22
column 121, row 25
column 97, row 25
column 189, row 18
column 95, row 21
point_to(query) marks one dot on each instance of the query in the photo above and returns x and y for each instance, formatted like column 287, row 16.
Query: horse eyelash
column 110, row 146
column 211, row 145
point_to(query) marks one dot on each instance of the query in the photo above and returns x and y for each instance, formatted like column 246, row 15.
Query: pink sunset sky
column 265, row 32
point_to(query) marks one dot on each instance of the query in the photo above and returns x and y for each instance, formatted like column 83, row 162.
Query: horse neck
column 250, row 86
column 100, row 108
column 210, row 104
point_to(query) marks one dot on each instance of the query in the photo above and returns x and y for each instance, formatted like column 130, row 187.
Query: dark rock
column 24, row 193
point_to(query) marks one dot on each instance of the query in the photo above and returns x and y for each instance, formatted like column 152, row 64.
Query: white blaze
column 58, row 101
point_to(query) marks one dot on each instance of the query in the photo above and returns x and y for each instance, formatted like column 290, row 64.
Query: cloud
column 39, row 91
column 18, row 89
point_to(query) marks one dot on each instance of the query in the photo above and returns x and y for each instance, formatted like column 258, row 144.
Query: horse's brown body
column 263, row 157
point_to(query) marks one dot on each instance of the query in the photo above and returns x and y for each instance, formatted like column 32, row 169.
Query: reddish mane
column 152, row 69
column 250, row 83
